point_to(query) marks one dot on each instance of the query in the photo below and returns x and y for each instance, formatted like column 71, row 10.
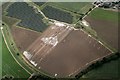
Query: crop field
column 79, row 7
column 61, row 50
column 109, row 70
column 70, row 56
column 74, row 51
column 24, row 38
column 40, row 48
column 29, row 19
column 9, row 66
column 57, row 14
column 105, row 23
column 23, row 34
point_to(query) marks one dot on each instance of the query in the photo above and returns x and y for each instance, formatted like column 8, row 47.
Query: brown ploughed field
column 106, row 30
column 23, row 37
column 75, row 49
column 72, row 54
column 39, row 49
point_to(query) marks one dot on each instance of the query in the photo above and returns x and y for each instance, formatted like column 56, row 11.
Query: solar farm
column 28, row 17
column 49, row 39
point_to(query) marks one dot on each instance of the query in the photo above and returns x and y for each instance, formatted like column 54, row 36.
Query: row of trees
column 7, row 77
column 81, row 18
column 98, row 64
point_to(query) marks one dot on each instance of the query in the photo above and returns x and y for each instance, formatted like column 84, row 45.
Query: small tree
column 118, row 54
column 104, row 60
column 18, row 54
column 90, row 9
column 81, row 18
column 2, row 24
column 11, row 43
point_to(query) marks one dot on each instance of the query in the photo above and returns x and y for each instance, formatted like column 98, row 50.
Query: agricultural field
column 57, row 49
column 79, row 7
column 10, row 66
column 29, row 19
column 38, row 49
column 57, row 14
column 105, row 23
column 106, row 71
column 23, row 34
column 69, row 57
column 24, row 37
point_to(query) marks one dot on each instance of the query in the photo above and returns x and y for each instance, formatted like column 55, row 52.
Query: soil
column 69, row 56
column 23, row 37
column 107, row 30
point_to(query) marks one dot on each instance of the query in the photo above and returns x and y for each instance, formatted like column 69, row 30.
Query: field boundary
column 15, row 50
column 11, row 52
column 23, row 61
column 0, row 54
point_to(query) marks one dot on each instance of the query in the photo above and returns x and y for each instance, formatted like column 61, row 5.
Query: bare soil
column 70, row 55
column 39, row 49
column 107, row 30
column 23, row 37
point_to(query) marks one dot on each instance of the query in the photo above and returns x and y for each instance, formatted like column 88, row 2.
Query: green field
column 104, row 15
column 79, row 7
column 108, row 70
column 9, row 65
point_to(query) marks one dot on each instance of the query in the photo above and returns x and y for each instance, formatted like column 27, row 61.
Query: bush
column 90, row 9
column 18, row 54
column 78, row 75
column 11, row 43
column 7, row 77
column 118, row 54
